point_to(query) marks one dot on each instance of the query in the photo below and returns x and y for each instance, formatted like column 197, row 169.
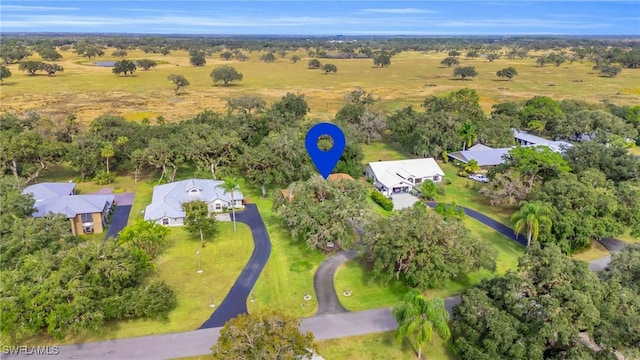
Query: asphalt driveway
column 120, row 215
column 328, row 302
column 236, row 301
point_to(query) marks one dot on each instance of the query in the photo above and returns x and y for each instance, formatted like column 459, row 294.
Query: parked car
column 479, row 177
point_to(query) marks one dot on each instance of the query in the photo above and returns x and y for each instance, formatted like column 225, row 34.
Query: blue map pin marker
column 325, row 161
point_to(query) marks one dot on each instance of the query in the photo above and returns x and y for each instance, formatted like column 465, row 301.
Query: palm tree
column 531, row 215
column 469, row 133
column 229, row 186
column 419, row 317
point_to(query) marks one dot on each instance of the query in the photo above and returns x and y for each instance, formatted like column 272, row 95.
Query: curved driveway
column 198, row 342
column 235, row 303
column 328, row 302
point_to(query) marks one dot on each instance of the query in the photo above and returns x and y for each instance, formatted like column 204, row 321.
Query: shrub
column 463, row 173
column 382, row 200
column 428, row 189
column 103, row 178
column 447, row 181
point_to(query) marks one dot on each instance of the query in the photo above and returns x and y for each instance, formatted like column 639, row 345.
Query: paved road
column 235, row 302
column 191, row 343
column 328, row 302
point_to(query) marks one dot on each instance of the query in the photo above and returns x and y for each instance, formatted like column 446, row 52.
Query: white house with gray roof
column 487, row 156
column 86, row 213
column 400, row 176
column 167, row 200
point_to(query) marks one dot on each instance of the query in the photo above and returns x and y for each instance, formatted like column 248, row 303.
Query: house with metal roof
column 399, row 176
column 167, row 200
column 86, row 213
column 524, row 138
column 487, row 156
column 484, row 155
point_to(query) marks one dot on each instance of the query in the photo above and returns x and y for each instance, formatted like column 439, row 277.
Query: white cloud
column 36, row 21
column 35, row 8
column 400, row 11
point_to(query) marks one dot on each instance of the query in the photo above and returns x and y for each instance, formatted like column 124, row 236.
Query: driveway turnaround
column 403, row 200
column 236, row 301
column 328, row 302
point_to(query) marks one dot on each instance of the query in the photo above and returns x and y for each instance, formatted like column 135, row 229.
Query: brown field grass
column 89, row 91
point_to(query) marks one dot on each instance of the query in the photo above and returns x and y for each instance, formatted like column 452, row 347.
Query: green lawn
column 370, row 293
column 461, row 190
column 382, row 346
column 222, row 260
column 288, row 275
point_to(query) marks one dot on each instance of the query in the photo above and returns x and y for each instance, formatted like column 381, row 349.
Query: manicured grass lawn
column 288, row 275
column 382, row 346
column 461, row 190
column 370, row 293
column 383, row 151
column 222, row 260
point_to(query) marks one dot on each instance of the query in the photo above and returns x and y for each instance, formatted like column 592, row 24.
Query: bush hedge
column 382, row 200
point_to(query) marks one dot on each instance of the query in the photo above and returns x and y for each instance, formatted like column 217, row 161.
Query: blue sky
column 321, row 17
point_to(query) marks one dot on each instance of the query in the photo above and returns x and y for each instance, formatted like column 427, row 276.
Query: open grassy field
column 89, row 91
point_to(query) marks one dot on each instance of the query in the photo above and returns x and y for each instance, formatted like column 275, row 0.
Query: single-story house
column 167, row 200
column 487, row 156
column 484, row 155
column 524, row 138
column 399, row 176
column 87, row 214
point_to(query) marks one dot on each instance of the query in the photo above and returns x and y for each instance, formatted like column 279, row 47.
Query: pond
column 104, row 63
column 107, row 63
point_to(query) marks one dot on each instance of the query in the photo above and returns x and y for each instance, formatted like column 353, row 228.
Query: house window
column 87, row 229
column 86, row 218
column 436, row 178
column 165, row 221
column 193, row 191
column 218, row 206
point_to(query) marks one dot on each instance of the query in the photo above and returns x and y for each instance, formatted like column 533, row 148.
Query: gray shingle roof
column 168, row 198
column 48, row 190
column 72, row 205
column 483, row 157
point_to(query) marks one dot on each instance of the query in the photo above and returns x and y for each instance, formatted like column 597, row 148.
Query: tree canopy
column 509, row 73
column 198, row 220
column 421, row 248
column 263, row 336
column 179, row 81
column 225, row 74
column 543, row 310
column 465, row 72
column 319, row 212
column 124, row 66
